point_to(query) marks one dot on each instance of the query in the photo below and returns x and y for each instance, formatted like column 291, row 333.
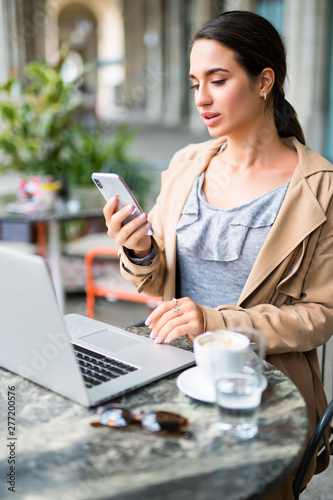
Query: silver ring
column 176, row 308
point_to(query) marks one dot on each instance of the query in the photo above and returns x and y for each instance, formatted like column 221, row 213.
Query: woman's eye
column 195, row 86
column 219, row 82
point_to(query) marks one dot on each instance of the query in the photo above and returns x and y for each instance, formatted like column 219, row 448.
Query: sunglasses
column 162, row 422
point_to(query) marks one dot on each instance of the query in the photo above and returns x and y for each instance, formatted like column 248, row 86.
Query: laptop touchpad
column 112, row 341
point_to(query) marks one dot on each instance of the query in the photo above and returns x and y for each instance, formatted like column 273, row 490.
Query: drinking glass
column 238, row 397
column 238, row 393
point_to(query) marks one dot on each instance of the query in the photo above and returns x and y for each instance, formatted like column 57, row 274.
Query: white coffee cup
column 219, row 352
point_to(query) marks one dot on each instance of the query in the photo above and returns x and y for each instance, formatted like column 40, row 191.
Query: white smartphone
column 111, row 184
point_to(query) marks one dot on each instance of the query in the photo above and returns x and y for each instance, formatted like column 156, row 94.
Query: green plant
column 40, row 132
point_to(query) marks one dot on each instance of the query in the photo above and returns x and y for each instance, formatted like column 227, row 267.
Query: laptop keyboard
column 97, row 368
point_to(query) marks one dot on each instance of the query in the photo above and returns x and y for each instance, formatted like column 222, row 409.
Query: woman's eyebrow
column 210, row 72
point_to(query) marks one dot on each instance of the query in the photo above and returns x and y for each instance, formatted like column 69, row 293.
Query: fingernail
column 148, row 225
column 157, row 340
column 148, row 321
column 130, row 208
column 143, row 216
column 152, row 335
column 166, row 341
column 113, row 199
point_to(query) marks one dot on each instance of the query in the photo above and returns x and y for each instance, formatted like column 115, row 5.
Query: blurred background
column 139, row 53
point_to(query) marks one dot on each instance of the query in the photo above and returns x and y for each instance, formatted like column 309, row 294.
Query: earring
column 265, row 96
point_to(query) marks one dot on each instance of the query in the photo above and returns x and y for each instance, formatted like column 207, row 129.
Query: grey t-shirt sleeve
column 144, row 261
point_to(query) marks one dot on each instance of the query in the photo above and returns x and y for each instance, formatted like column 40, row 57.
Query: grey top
column 217, row 247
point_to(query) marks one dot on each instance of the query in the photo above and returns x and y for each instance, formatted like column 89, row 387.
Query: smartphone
column 111, row 184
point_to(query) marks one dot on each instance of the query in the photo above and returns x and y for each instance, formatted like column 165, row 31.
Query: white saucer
column 192, row 383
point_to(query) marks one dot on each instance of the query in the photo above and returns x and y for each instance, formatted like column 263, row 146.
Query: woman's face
column 228, row 101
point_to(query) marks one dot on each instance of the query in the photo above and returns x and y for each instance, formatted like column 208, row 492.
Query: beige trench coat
column 289, row 292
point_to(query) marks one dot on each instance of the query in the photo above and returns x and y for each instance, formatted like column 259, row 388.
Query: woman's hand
column 131, row 235
column 174, row 318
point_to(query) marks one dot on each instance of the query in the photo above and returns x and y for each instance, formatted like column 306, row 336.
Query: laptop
column 82, row 359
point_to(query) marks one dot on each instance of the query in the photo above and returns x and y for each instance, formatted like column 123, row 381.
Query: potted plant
column 40, row 133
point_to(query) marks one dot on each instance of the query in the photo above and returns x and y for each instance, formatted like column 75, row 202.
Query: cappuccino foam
column 230, row 341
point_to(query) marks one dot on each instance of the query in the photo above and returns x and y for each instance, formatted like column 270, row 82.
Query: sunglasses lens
column 116, row 417
column 155, row 421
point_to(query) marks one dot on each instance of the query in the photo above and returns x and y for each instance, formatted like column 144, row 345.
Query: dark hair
column 257, row 45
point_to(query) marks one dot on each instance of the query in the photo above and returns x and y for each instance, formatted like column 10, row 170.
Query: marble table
column 59, row 455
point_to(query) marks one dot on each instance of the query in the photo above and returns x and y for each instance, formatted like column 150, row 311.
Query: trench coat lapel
column 300, row 214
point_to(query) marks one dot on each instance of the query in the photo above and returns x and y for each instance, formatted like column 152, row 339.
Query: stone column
column 173, row 61
column 3, row 45
column 21, row 35
column 15, row 36
column 110, row 47
column 307, row 29
column 52, row 8
column 34, row 24
column 135, row 60
column 154, row 80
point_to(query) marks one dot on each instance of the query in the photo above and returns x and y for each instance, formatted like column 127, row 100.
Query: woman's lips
column 210, row 118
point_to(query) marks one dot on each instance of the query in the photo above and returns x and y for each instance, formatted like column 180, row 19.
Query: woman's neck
column 256, row 151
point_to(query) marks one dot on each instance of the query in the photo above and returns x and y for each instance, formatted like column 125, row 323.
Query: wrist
column 140, row 254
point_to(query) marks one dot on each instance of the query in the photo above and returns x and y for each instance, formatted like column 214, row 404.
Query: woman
column 243, row 223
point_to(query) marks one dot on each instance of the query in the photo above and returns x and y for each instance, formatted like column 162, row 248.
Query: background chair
column 112, row 285
column 327, row 375
column 311, row 449
column 314, row 443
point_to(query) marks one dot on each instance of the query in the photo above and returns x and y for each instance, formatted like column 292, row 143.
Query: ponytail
column 286, row 120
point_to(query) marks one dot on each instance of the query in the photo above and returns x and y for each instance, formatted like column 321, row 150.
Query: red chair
column 112, row 285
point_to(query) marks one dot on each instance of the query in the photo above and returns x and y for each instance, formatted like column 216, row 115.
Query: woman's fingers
column 132, row 235
column 109, row 209
column 174, row 318
column 114, row 223
column 167, row 322
column 161, row 309
column 133, row 231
